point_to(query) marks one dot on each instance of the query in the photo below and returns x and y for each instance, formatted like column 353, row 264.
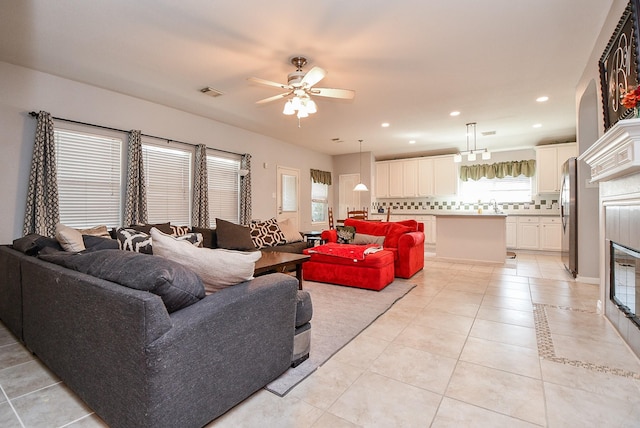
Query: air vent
column 336, row 140
column 488, row 133
column 211, row 92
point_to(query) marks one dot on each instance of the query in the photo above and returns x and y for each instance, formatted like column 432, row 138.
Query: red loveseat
column 405, row 239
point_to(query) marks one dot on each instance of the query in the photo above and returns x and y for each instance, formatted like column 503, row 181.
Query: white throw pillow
column 218, row 268
column 289, row 230
column 69, row 238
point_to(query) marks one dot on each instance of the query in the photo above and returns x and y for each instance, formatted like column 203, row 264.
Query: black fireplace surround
column 625, row 280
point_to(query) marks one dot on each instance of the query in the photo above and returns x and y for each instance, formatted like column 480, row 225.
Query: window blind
column 224, row 188
column 89, row 171
column 168, row 180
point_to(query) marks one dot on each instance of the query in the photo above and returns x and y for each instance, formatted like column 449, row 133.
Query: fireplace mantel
column 616, row 153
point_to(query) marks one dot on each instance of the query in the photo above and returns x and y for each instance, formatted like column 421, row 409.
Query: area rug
column 339, row 315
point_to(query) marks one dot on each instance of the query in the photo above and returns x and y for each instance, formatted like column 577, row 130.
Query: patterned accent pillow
column 345, row 234
column 194, row 238
column 179, row 230
column 266, row 234
column 132, row 240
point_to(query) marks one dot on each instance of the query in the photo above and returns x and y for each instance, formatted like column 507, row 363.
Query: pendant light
column 472, row 152
column 360, row 187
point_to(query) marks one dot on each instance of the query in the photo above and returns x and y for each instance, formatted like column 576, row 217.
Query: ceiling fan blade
column 313, row 76
column 274, row 98
column 346, row 94
column 268, row 83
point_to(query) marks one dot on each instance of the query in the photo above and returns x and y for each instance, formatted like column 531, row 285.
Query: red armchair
column 404, row 238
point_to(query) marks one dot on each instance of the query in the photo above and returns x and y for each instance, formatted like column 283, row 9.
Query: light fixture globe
column 288, row 108
column 360, row 187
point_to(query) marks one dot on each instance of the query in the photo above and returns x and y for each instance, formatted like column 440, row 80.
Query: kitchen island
column 467, row 237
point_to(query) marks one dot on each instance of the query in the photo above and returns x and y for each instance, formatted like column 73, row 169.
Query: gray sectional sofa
column 134, row 363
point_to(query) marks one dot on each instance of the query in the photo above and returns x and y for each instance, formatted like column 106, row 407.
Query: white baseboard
column 588, row 280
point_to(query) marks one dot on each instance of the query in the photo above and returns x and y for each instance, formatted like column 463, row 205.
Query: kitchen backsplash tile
column 541, row 205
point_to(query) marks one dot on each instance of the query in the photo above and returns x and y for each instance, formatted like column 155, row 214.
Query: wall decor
column 619, row 66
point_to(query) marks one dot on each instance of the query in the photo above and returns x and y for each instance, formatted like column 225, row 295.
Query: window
column 319, row 202
column 89, row 171
column 507, row 189
column 168, row 182
column 224, row 187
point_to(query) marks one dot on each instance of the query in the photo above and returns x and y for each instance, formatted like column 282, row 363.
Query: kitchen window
column 507, row 189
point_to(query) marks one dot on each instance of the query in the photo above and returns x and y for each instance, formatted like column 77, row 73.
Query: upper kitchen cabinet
column 382, row 179
column 445, row 176
column 549, row 160
column 416, row 177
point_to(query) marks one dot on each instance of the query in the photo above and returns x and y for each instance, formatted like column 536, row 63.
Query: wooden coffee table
column 274, row 261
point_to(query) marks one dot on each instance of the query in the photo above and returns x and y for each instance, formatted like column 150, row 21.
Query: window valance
column 498, row 170
column 323, row 177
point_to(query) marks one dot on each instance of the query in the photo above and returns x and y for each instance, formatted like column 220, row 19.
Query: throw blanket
column 348, row 251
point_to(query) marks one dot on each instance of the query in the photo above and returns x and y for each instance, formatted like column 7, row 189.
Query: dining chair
column 330, row 218
column 362, row 214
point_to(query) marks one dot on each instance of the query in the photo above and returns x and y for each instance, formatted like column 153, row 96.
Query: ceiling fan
column 300, row 86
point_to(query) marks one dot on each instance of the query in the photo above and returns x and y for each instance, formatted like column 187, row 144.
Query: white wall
column 23, row 90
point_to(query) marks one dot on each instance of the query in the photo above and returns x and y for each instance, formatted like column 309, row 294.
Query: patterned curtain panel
column 135, row 208
column 498, row 170
column 42, row 213
column 245, row 190
column 200, row 214
column 323, row 177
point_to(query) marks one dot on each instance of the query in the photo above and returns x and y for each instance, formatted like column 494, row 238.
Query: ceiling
column 411, row 62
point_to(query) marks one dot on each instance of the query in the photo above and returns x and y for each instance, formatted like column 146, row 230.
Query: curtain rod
column 168, row 140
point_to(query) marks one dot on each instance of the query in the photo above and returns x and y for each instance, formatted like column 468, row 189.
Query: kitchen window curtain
column 245, row 190
column 135, row 211
column 42, row 213
column 200, row 214
column 498, row 170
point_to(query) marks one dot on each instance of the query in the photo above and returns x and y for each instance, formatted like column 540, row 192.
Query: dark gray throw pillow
column 233, row 236
column 33, row 243
column 96, row 243
column 178, row 286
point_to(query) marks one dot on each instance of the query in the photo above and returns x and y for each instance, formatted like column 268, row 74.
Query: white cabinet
column 512, row 232
column 410, row 178
column 528, row 233
column 550, row 233
column 445, row 176
column 396, row 187
column 429, row 222
column 549, row 160
column 382, row 179
column 425, row 177
column 417, row 177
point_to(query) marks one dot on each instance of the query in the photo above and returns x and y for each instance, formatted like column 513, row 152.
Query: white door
column 347, row 198
column 288, row 195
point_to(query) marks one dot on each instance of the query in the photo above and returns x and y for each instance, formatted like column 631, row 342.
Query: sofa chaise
column 135, row 363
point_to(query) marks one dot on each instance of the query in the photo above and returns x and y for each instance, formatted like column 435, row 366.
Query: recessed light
column 542, row 99
column 537, row 125
column 385, row 124
column 454, row 113
column 412, row 141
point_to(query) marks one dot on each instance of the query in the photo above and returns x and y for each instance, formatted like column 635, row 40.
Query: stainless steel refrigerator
column 569, row 215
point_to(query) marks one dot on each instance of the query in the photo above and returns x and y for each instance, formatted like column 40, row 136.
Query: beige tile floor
column 471, row 346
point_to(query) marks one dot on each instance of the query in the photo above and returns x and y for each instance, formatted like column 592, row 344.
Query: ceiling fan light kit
column 300, row 88
column 471, row 153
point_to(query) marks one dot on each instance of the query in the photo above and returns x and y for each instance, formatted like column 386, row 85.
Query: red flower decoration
column 632, row 98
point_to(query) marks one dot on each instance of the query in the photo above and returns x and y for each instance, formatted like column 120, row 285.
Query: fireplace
column 614, row 161
column 624, row 271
